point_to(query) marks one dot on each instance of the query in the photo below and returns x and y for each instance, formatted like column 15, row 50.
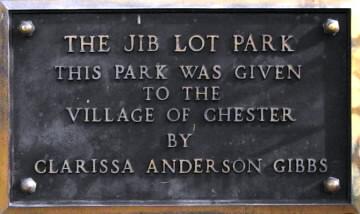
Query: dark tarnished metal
column 41, row 129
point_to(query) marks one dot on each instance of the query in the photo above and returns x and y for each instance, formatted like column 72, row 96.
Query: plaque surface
column 111, row 123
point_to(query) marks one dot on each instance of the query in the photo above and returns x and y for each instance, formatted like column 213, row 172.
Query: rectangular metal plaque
column 123, row 107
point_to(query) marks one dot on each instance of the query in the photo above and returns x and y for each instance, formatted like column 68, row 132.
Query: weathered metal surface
column 218, row 209
column 42, row 129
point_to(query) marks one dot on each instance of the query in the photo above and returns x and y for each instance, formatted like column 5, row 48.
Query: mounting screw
column 331, row 26
column 28, row 185
column 27, row 28
column 332, row 184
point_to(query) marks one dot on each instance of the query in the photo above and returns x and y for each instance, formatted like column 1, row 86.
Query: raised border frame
column 5, row 127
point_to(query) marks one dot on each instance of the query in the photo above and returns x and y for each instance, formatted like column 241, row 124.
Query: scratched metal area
column 41, row 128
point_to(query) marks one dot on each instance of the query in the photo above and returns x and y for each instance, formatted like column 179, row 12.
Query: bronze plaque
column 180, row 106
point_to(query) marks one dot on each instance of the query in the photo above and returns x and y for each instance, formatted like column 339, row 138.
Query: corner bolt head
column 28, row 185
column 331, row 26
column 332, row 185
column 27, row 28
